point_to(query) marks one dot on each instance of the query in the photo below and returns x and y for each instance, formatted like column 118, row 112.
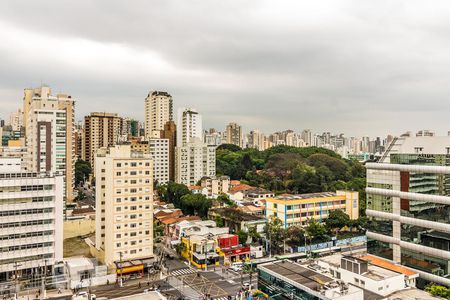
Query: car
column 236, row 266
column 82, row 294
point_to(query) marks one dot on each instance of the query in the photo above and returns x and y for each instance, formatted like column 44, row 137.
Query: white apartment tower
column 194, row 161
column 189, row 126
column 159, row 152
column 31, row 225
column 158, row 111
column 124, row 205
column 49, row 130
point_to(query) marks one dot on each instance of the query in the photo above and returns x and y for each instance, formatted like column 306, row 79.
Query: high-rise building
column 158, row 111
column 189, row 126
column 194, row 161
column 408, row 200
column 49, row 121
column 16, row 120
column 159, row 152
column 124, row 206
column 170, row 133
column 213, row 138
column 31, row 227
column 100, row 130
column 234, row 135
column 257, row 140
column 306, row 136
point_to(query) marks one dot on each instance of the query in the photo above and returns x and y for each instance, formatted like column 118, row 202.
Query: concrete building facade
column 49, row 121
column 124, row 205
column 101, row 129
column 189, row 126
column 300, row 209
column 193, row 162
column 158, row 111
column 31, row 225
column 235, row 135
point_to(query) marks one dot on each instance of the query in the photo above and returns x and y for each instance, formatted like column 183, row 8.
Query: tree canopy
column 286, row 169
column 82, row 171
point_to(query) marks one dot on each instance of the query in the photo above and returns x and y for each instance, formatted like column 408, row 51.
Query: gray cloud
column 359, row 67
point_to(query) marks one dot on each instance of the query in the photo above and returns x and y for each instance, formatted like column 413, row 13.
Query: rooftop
column 298, row 274
column 306, row 278
column 234, row 214
column 168, row 221
column 388, row 265
column 305, row 196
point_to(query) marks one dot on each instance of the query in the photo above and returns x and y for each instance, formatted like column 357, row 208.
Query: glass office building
column 408, row 201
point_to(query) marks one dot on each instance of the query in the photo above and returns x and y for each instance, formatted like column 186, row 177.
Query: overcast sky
column 358, row 67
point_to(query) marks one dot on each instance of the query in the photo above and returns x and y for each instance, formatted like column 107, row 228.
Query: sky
column 357, row 67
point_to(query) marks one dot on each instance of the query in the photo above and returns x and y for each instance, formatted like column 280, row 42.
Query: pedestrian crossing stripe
column 184, row 271
column 221, row 298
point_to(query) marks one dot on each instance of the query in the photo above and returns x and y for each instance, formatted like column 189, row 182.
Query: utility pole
column 121, row 269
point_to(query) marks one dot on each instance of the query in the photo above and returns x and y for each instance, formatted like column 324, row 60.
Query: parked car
column 236, row 266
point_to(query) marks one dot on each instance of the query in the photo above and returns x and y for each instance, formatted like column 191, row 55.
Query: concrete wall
column 74, row 228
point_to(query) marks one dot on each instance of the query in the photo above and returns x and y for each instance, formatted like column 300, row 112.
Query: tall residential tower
column 158, row 111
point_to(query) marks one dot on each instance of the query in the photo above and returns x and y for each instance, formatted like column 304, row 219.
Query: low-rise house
column 258, row 194
column 199, row 242
column 161, row 214
column 197, row 189
column 237, row 220
column 230, row 249
column 216, row 185
column 252, row 209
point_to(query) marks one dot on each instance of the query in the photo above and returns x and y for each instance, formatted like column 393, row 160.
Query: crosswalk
column 221, row 298
column 181, row 272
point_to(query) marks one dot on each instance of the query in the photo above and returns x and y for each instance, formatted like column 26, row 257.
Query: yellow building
column 300, row 209
column 199, row 250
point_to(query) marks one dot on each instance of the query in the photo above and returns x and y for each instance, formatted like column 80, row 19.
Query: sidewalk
column 31, row 294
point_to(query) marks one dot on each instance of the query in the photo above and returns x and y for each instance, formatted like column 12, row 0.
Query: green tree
column 295, row 236
column 438, row 291
column 274, row 233
column 316, row 231
column 337, row 219
column 223, row 198
column 80, row 195
column 82, row 171
column 243, row 236
column 219, row 221
column 195, row 204
column 174, row 193
column 229, row 147
column 253, row 234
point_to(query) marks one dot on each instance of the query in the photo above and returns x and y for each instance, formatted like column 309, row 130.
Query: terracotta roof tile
column 387, row 265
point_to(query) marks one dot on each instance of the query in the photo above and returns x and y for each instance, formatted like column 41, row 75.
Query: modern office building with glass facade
column 408, row 200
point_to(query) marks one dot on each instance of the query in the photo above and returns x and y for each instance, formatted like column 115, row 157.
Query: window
column 118, row 165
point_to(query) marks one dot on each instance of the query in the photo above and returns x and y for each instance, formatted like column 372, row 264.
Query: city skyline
column 354, row 66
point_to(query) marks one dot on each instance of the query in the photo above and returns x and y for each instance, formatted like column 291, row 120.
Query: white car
column 237, row 266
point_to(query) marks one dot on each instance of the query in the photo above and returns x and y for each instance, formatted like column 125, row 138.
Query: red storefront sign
column 237, row 251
